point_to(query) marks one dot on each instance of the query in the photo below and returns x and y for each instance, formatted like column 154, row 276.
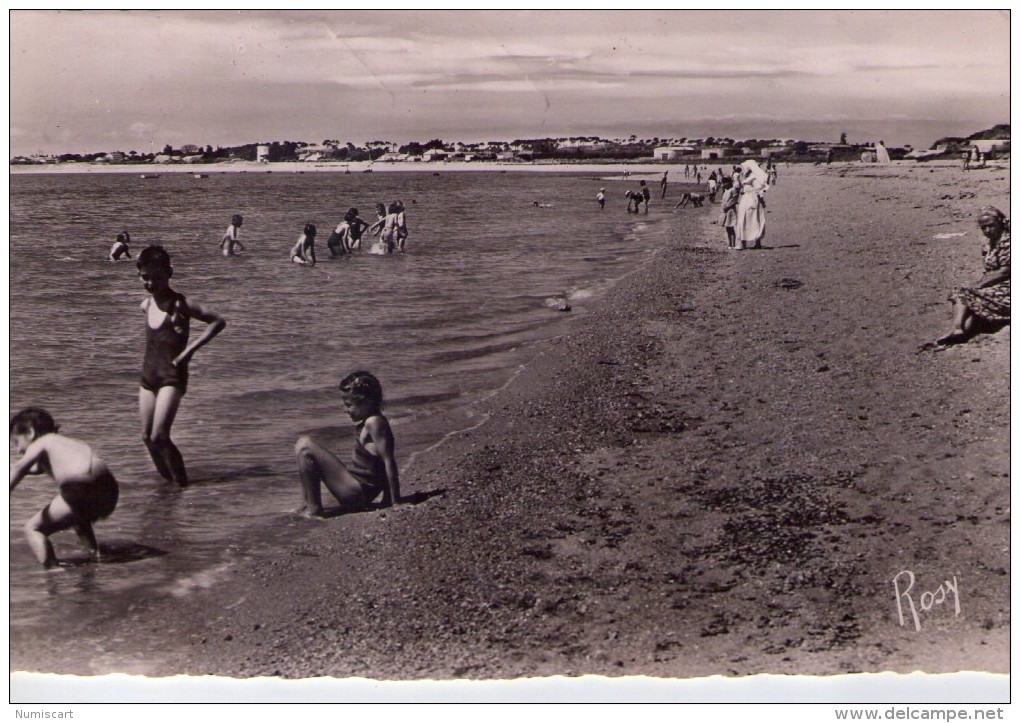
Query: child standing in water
column 387, row 225
column 88, row 492
column 401, row 225
column 120, row 247
column 373, row 469
column 303, row 251
column 164, row 380
column 230, row 241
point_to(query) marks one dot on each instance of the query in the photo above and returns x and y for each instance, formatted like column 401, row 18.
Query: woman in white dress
column 750, row 225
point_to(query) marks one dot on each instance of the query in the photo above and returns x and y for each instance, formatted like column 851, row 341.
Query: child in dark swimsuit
column 373, row 469
column 88, row 492
column 167, row 353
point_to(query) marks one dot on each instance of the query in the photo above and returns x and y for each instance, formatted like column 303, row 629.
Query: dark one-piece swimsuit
column 162, row 346
column 369, row 470
column 93, row 500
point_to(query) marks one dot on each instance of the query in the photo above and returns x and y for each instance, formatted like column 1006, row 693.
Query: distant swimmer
column 347, row 234
column 542, row 205
column 600, row 198
column 229, row 244
column 168, row 353
column 386, row 227
column 120, row 247
column 401, row 226
column 303, row 251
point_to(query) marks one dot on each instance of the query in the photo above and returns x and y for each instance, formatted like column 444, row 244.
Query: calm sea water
column 442, row 326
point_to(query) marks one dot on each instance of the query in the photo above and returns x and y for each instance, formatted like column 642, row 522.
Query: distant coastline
column 649, row 168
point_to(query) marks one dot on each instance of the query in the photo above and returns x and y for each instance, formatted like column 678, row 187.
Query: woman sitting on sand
column 986, row 304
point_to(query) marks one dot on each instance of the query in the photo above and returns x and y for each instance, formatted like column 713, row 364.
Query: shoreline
column 713, row 473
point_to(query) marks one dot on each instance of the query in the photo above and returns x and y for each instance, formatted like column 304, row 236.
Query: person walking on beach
column 229, row 242
column 985, row 305
column 750, row 224
column 303, row 252
column 373, row 470
column 120, row 247
column 713, row 186
column 600, row 197
column 168, row 353
column 663, row 183
column 687, row 170
column 88, row 492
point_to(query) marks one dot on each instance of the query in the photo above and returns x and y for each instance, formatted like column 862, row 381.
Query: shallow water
column 443, row 326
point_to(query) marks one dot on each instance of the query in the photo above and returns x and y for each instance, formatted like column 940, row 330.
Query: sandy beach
column 721, row 470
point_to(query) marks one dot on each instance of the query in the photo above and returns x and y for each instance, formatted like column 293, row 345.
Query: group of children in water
column 390, row 228
column 88, row 491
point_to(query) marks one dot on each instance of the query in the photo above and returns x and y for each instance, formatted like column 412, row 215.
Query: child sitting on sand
column 230, row 241
column 164, row 380
column 303, row 252
column 373, row 469
column 88, row 492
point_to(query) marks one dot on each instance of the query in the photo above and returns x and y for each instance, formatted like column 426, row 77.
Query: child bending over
column 373, row 469
column 88, row 492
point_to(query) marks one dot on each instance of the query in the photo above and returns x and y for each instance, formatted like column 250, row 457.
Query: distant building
column 671, row 153
column 115, row 157
column 708, row 154
column 1000, row 145
column 434, row 155
column 262, row 154
column 162, row 158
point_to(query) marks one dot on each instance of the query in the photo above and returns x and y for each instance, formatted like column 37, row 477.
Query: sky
column 88, row 81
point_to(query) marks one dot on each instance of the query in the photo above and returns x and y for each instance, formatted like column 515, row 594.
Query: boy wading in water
column 88, row 491
column 373, row 469
column 167, row 353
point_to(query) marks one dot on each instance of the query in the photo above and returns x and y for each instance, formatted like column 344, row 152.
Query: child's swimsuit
column 93, row 500
column 369, row 470
column 162, row 346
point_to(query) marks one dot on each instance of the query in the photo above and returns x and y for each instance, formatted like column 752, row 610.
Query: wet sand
column 720, row 471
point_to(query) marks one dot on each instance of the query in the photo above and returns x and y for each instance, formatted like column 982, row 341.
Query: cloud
column 142, row 131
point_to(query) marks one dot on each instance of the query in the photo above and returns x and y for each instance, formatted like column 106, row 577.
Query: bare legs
column 54, row 517
column 963, row 325
column 317, row 465
column 157, row 412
